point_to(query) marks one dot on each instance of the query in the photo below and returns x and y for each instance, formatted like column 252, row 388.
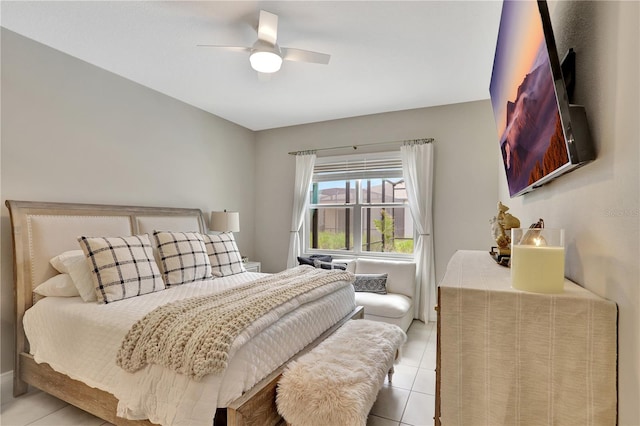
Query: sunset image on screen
column 524, row 99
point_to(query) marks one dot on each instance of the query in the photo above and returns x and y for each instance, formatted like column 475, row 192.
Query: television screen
column 529, row 100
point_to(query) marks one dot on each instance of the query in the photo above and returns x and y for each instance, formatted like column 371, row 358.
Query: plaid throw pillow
column 371, row 283
column 121, row 267
column 183, row 257
column 224, row 255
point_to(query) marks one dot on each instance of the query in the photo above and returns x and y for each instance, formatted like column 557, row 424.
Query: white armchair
column 395, row 307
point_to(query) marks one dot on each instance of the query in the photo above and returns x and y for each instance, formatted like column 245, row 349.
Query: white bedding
column 81, row 340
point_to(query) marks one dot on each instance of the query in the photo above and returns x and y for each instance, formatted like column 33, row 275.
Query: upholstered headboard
column 42, row 230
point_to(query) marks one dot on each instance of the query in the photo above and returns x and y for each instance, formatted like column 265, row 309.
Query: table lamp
column 225, row 221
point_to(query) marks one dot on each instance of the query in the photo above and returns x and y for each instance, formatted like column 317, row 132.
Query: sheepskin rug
column 338, row 381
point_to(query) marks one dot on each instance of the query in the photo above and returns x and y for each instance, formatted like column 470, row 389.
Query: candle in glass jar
column 537, row 263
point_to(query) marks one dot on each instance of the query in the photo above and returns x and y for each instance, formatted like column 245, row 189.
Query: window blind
column 358, row 167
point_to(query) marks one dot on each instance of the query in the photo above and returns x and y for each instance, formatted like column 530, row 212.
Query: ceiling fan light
column 266, row 62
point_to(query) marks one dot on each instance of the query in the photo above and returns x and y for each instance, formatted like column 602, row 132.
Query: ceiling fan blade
column 299, row 55
column 268, row 27
column 230, row 48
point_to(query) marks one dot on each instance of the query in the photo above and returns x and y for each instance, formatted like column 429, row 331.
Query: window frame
column 358, row 208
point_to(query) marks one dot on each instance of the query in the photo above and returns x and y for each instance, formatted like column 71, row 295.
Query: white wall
column 598, row 205
column 75, row 133
column 465, row 193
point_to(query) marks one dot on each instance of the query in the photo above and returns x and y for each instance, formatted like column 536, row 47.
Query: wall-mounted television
column 541, row 134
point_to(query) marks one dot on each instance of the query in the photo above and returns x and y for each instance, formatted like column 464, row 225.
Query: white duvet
column 81, row 340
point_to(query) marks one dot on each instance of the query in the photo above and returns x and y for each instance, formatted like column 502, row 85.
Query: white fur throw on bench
column 338, row 381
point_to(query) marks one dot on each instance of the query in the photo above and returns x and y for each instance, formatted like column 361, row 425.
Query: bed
column 244, row 394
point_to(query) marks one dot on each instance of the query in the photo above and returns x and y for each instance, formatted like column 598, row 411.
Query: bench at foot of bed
column 338, row 381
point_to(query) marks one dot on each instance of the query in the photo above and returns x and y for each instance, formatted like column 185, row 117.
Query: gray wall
column 598, row 205
column 76, row 133
column 465, row 173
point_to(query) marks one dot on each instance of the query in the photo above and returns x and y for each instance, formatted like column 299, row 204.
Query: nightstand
column 251, row 266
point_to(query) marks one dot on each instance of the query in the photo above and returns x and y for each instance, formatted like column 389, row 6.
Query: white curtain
column 417, row 168
column 304, row 172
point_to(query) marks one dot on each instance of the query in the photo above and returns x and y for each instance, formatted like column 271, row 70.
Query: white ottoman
column 338, row 381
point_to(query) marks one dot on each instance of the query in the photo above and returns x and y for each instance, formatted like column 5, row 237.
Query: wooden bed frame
column 254, row 407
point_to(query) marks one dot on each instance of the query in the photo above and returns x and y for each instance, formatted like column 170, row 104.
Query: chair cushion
column 401, row 276
column 349, row 263
column 329, row 265
column 302, row 260
column 384, row 305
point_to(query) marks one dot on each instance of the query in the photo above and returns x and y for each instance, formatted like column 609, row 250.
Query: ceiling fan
column 265, row 55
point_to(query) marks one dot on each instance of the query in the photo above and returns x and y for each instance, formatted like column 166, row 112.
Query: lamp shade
column 225, row 221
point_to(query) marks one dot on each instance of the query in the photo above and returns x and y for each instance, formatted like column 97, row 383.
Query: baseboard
column 6, row 386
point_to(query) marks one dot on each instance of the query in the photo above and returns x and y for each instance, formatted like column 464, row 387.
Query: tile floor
column 409, row 400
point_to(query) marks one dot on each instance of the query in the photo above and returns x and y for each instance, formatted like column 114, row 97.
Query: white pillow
column 183, row 257
column 61, row 262
column 224, row 255
column 74, row 263
column 121, row 267
column 60, row 285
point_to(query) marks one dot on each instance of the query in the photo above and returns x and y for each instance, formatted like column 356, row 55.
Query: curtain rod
column 408, row 141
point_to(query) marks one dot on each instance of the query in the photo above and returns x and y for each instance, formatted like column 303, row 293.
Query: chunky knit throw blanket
column 193, row 336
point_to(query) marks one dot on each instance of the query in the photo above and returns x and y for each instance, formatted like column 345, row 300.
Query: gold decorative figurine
column 501, row 225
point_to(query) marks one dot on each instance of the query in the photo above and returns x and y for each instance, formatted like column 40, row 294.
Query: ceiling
column 385, row 55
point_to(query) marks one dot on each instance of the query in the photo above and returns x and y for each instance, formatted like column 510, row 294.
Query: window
column 358, row 204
